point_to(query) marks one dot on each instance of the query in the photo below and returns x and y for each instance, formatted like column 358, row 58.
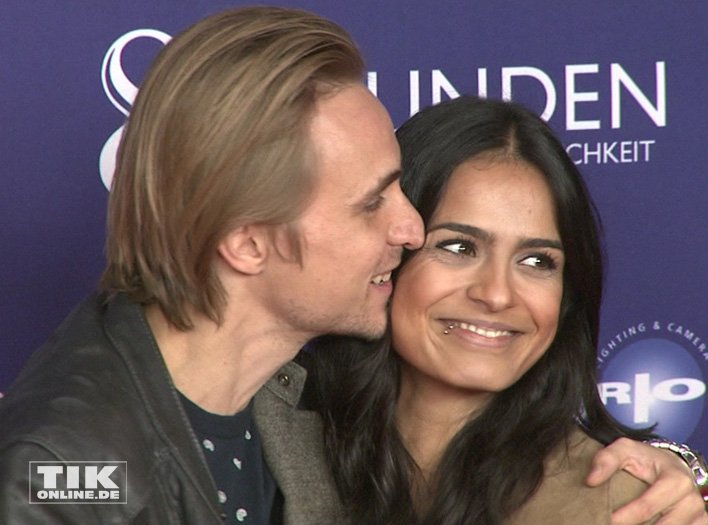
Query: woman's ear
column 245, row 248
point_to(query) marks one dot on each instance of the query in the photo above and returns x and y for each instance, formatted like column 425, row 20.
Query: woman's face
column 478, row 305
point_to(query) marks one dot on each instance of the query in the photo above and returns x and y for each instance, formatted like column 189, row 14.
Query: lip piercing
column 448, row 329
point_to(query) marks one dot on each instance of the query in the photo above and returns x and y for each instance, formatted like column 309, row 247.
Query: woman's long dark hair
column 495, row 462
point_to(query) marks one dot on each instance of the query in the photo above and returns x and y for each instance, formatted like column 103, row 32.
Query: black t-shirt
column 232, row 447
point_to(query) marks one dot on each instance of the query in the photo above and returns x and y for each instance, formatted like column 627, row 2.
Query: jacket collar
column 126, row 326
column 288, row 383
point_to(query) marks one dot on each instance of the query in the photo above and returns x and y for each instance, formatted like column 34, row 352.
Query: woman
column 472, row 410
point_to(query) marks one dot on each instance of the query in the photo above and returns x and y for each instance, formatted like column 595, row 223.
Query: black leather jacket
column 98, row 390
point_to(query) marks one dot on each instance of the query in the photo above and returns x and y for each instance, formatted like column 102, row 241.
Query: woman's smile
column 478, row 305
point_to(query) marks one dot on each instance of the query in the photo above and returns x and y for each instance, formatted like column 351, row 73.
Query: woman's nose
column 492, row 286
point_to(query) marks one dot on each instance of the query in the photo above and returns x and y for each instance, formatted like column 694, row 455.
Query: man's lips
column 381, row 278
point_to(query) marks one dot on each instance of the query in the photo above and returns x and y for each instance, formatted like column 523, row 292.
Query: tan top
column 564, row 499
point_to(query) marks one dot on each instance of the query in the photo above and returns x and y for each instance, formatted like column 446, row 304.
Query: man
column 255, row 205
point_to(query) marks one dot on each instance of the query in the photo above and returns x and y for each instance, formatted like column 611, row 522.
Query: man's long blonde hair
column 217, row 138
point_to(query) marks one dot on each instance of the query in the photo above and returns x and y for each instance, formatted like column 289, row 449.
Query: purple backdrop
column 623, row 83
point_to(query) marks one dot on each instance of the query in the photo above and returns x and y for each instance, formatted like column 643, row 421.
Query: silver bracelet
column 692, row 458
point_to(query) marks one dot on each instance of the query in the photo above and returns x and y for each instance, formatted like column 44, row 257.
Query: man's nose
column 407, row 227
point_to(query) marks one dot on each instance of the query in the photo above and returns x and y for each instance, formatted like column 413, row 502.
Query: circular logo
column 654, row 381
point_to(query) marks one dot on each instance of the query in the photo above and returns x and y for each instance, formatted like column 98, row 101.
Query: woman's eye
column 458, row 247
column 540, row 261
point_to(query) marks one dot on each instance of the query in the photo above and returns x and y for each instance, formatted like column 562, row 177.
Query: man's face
column 355, row 227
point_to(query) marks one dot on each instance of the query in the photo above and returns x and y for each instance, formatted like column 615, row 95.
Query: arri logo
column 78, row 482
column 654, row 381
column 121, row 92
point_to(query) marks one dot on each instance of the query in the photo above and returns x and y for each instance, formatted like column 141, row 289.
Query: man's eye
column 374, row 204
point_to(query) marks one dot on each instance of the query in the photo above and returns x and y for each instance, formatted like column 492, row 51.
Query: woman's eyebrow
column 466, row 229
column 478, row 233
column 538, row 242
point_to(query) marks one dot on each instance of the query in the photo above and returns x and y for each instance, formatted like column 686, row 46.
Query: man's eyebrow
column 478, row 233
column 382, row 184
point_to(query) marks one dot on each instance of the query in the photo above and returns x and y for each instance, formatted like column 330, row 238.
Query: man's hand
column 672, row 493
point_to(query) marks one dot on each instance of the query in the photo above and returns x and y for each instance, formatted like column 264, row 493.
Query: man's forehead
column 354, row 148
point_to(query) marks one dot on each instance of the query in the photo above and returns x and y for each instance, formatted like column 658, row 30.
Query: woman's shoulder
column 564, row 498
column 622, row 486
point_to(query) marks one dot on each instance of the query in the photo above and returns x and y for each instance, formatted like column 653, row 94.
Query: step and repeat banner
column 624, row 84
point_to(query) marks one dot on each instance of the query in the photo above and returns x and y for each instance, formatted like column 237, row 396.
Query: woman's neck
column 429, row 414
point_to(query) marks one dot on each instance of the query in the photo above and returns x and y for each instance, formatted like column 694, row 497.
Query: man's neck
column 221, row 367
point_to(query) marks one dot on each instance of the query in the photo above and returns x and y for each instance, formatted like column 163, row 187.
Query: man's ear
column 245, row 248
